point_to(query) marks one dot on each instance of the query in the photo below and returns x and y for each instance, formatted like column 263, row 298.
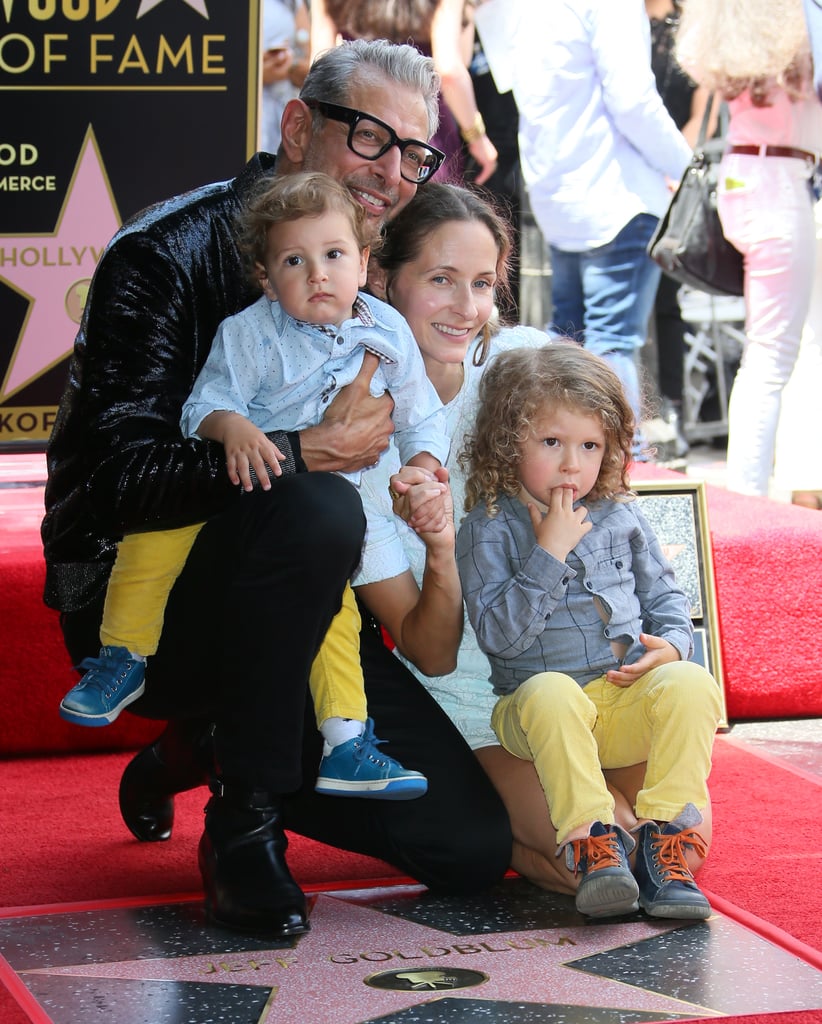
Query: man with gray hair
column 267, row 571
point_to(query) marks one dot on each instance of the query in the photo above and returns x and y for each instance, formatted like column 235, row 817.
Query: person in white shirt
column 598, row 152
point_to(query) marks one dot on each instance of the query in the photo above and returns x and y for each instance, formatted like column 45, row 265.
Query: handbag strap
column 703, row 128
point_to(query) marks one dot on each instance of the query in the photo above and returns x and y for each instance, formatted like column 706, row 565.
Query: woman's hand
column 485, row 153
column 422, row 499
column 657, row 652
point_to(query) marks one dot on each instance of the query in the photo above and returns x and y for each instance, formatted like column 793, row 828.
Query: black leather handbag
column 688, row 242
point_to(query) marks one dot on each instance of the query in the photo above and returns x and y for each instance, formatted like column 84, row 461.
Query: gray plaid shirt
column 533, row 613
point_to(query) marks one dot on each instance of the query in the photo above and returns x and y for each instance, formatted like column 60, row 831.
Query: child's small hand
column 247, row 448
column 657, row 652
column 563, row 526
column 410, row 488
column 431, row 504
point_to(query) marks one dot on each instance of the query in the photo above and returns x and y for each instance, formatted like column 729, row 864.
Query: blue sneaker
column 607, row 887
column 357, row 768
column 111, row 683
column 666, row 885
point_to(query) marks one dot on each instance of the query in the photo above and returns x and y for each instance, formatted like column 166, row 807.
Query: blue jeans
column 603, row 297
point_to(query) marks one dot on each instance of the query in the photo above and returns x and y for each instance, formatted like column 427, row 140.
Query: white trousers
column 798, row 464
column 766, row 211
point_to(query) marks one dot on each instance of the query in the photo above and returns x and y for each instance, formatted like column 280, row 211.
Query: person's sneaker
column 357, row 768
column 111, row 682
column 666, row 885
column 607, row 887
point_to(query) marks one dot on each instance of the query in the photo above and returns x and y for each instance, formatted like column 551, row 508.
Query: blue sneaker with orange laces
column 607, row 887
column 357, row 768
column 111, row 682
column 666, row 884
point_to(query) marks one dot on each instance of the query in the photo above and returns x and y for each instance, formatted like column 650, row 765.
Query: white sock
column 339, row 730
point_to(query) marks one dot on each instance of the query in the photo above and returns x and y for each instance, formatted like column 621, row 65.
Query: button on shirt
column 533, row 613
column 596, row 141
column 283, row 373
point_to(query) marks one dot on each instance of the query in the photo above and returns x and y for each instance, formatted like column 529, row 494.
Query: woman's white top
column 391, row 548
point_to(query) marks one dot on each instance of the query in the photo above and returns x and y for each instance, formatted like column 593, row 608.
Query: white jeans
column 766, row 211
column 798, row 464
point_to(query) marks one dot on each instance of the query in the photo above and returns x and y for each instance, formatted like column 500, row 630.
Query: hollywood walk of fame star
column 52, row 269
column 350, row 943
column 196, row 5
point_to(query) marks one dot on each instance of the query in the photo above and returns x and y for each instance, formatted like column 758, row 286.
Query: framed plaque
column 678, row 513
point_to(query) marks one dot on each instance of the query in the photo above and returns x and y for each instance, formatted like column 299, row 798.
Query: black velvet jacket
column 117, row 461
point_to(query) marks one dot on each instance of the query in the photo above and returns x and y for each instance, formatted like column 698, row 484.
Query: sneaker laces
column 600, row 851
column 104, row 663
column 669, row 853
column 365, row 746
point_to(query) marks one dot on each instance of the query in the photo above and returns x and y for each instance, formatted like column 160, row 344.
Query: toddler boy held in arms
column 277, row 365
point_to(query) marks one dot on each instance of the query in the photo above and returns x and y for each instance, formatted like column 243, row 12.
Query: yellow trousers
column 146, row 569
column 667, row 718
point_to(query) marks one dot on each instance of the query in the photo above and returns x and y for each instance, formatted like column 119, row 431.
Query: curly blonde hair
column 515, row 390
column 734, row 45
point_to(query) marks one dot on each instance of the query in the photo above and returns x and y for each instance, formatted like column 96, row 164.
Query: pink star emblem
column 53, row 270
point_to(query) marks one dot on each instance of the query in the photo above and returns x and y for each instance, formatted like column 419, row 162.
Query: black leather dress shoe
column 247, row 884
column 181, row 759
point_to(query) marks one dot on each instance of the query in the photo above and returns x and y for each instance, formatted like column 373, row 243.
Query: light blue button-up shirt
column 283, row 373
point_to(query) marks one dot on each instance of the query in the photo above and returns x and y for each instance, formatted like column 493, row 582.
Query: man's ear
column 265, row 284
column 296, row 126
column 377, row 281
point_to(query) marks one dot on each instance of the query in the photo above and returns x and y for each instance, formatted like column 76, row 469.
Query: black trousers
column 457, row 837
column 242, row 626
column 245, row 620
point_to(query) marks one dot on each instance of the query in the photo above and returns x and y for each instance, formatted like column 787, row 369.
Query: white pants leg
column 798, row 465
column 767, row 212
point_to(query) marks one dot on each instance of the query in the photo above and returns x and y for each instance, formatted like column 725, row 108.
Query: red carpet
column 63, row 842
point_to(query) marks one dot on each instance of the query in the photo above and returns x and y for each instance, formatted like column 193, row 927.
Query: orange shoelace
column 669, row 852
column 601, row 851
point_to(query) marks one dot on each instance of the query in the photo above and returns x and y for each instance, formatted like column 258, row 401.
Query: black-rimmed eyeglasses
column 370, row 138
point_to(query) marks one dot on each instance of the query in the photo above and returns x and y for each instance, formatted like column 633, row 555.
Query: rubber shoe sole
column 607, row 896
column 374, row 789
column 78, row 718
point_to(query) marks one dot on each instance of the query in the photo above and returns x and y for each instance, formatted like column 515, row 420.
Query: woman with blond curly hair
column 586, row 631
column 755, row 54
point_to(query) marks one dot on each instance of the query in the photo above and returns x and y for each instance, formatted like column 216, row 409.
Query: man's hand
column 356, row 427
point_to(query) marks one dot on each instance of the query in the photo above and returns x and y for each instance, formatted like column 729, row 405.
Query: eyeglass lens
column 370, row 139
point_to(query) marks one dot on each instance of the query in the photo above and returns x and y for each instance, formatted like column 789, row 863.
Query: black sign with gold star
column 107, row 106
